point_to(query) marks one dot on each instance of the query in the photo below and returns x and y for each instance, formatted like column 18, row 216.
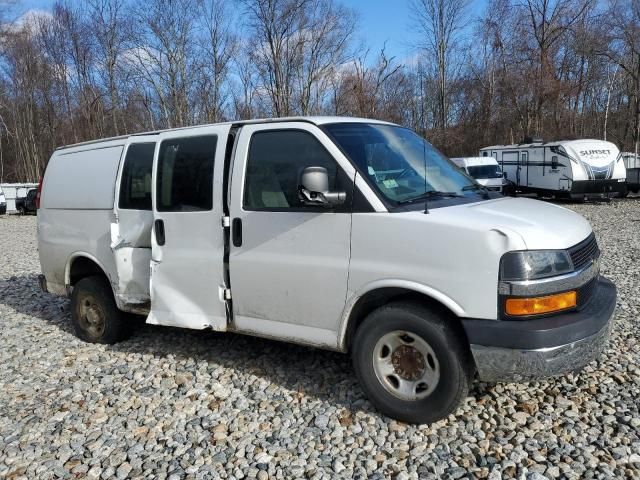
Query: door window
column 135, row 184
column 275, row 163
column 185, row 174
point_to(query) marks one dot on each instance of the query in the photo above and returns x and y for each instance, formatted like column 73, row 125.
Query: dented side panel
column 130, row 235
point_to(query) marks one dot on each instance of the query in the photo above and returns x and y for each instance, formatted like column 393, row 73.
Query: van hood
column 540, row 225
column 490, row 182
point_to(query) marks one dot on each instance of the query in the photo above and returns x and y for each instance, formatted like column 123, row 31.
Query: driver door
column 288, row 261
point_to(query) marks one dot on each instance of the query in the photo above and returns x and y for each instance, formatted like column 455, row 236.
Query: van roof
column 316, row 120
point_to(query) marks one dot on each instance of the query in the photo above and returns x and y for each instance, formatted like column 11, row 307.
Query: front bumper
column 525, row 350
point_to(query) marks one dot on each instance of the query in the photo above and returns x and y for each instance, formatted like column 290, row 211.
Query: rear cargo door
column 188, row 242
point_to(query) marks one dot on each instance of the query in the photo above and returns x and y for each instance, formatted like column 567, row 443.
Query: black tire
column 21, row 210
column 94, row 314
column 452, row 358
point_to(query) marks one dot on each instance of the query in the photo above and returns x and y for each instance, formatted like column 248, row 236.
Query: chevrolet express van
column 346, row 234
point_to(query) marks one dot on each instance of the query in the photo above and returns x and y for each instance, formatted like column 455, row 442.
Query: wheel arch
column 380, row 293
column 81, row 265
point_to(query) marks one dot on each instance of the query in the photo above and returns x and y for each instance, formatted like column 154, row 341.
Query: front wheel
column 411, row 362
column 94, row 314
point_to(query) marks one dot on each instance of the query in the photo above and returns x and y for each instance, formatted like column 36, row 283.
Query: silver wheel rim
column 91, row 316
column 406, row 365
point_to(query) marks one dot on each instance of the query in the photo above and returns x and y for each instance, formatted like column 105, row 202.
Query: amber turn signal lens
column 538, row 305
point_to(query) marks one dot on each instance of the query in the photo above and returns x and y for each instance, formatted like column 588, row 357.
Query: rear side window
column 185, row 174
column 135, row 185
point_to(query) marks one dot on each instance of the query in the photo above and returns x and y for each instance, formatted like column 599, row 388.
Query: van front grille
column 585, row 292
column 584, row 252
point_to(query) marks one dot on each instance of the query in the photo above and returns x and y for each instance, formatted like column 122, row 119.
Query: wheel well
column 82, row 267
column 377, row 298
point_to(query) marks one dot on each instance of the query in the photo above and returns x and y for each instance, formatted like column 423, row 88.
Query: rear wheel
column 412, row 364
column 94, row 314
column 21, row 210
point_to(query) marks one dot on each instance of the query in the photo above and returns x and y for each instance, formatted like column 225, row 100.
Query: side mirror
column 554, row 162
column 504, row 174
column 314, row 188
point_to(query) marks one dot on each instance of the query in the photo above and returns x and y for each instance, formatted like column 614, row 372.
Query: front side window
column 401, row 165
column 275, row 164
column 135, row 184
column 185, row 174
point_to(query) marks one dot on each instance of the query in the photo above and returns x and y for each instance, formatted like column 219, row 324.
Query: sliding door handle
column 236, row 232
column 159, row 230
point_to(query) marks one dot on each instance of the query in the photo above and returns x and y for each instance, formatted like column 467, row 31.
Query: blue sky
column 380, row 21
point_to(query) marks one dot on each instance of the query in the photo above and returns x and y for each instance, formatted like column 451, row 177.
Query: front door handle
column 236, row 232
column 159, row 229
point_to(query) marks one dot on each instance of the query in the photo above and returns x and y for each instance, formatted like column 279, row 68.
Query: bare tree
column 108, row 24
column 623, row 48
column 440, row 23
column 275, row 30
column 163, row 55
column 218, row 45
column 296, row 45
column 324, row 36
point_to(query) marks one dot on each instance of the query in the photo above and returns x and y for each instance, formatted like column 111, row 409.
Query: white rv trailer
column 632, row 164
column 571, row 169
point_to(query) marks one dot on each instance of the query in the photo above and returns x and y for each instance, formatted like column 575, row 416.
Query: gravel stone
column 321, row 421
column 198, row 405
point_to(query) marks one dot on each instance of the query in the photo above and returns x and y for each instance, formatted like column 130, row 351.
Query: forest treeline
column 96, row 68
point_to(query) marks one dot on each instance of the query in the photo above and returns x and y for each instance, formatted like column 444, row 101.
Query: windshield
column 399, row 163
column 485, row 171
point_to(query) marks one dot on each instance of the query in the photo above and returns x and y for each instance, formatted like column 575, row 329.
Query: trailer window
column 135, row 184
column 185, row 174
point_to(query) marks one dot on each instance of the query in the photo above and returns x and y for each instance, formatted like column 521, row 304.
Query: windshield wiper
column 477, row 186
column 429, row 194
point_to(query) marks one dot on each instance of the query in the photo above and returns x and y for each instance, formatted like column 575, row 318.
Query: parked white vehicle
column 13, row 192
column 485, row 170
column 347, row 234
column 571, row 169
column 3, row 203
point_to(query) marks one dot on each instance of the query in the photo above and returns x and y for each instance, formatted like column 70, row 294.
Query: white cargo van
column 485, row 170
column 3, row 202
column 576, row 169
column 347, row 234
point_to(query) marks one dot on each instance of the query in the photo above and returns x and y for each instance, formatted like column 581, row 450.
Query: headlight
column 534, row 264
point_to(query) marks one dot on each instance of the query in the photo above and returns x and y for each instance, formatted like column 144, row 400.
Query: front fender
column 392, row 283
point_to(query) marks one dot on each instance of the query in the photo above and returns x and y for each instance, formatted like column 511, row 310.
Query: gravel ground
column 171, row 403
